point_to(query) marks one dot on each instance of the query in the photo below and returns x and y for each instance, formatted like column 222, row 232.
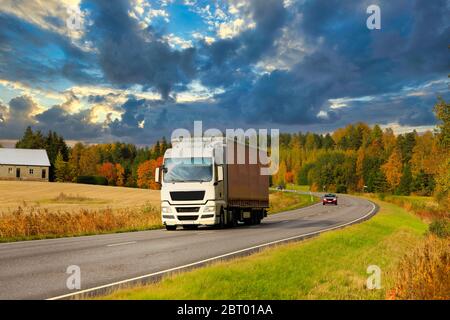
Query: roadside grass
column 331, row 266
column 31, row 223
column 296, row 187
column 284, row 201
column 424, row 273
column 425, row 207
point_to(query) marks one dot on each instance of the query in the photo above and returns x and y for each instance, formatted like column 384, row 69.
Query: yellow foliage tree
column 392, row 169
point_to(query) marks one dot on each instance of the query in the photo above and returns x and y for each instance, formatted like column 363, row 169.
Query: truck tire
column 171, row 228
column 222, row 219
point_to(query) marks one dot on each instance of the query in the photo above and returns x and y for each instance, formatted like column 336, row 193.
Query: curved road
column 37, row 269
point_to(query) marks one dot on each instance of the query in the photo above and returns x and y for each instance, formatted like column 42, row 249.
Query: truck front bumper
column 174, row 217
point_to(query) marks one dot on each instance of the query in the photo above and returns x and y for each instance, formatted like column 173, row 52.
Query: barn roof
column 24, row 157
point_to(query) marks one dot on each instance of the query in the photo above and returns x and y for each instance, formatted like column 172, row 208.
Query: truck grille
column 185, row 218
column 188, row 209
column 187, row 195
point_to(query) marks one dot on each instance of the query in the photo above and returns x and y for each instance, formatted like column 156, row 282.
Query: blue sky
column 134, row 70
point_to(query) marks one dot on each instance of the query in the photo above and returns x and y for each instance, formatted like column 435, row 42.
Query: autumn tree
column 89, row 159
column 146, row 173
column 108, row 170
column 120, row 175
column 392, row 169
column 279, row 177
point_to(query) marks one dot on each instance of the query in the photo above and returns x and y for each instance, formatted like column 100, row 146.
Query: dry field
column 47, row 195
column 36, row 210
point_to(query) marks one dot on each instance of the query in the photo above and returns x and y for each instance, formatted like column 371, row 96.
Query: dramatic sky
column 134, row 70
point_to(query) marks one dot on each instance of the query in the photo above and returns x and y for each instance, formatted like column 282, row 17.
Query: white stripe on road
column 120, row 244
column 213, row 258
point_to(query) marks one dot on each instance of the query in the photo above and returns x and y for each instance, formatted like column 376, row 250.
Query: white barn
column 24, row 164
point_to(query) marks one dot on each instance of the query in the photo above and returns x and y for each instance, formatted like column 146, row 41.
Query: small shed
column 24, row 164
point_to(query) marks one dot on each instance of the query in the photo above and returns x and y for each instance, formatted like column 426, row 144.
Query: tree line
column 116, row 164
column 364, row 159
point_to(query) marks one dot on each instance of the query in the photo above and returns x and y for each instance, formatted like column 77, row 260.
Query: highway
column 37, row 269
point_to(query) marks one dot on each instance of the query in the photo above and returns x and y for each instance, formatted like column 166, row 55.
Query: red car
column 329, row 199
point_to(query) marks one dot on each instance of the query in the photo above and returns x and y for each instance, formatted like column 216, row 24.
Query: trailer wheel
column 171, row 228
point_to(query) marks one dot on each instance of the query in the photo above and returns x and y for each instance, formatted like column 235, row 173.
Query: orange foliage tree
column 146, row 173
column 289, row 177
column 108, row 170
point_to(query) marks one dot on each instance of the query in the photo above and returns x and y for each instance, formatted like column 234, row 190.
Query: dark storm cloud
column 347, row 60
column 39, row 57
column 129, row 55
column 72, row 126
column 229, row 60
column 17, row 117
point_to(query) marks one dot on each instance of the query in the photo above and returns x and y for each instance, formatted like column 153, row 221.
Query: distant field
column 74, row 196
column 37, row 210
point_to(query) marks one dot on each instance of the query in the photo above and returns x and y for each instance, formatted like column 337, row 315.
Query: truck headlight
column 209, row 209
column 166, row 210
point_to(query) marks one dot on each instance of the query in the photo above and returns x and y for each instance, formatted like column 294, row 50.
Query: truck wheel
column 171, row 228
column 222, row 219
column 234, row 218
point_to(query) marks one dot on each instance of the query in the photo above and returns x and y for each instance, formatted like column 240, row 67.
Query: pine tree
column 406, row 182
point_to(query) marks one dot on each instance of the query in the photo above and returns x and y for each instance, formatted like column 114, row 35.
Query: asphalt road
column 37, row 269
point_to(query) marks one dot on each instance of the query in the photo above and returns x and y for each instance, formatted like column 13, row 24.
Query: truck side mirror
column 219, row 173
column 157, row 175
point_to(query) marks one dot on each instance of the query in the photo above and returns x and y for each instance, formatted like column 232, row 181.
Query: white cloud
column 177, row 42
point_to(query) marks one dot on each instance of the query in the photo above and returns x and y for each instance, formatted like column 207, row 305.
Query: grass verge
column 332, row 266
column 284, row 201
column 303, row 188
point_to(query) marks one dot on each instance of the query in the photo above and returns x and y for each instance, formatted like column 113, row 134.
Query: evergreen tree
column 406, row 182
column 62, row 169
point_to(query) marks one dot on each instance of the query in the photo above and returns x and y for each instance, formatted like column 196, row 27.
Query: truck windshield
column 187, row 169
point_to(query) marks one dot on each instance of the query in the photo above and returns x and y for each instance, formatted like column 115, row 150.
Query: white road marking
column 214, row 258
column 120, row 244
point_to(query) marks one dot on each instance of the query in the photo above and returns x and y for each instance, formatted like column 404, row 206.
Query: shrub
column 424, row 273
column 341, row 188
column 98, row 180
column 440, row 228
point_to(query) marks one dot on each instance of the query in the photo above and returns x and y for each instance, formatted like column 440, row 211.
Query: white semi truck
column 211, row 187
